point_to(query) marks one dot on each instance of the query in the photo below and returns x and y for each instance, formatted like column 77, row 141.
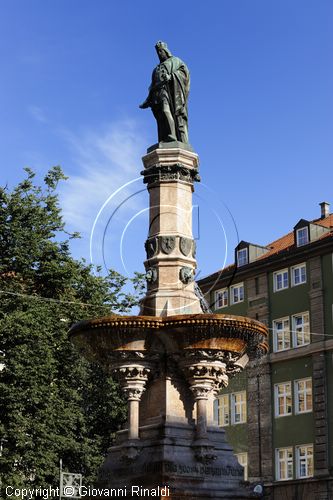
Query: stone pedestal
column 175, row 451
column 170, row 265
column 171, row 360
column 166, row 458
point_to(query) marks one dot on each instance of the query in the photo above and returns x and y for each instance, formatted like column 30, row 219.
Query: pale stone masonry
column 169, row 175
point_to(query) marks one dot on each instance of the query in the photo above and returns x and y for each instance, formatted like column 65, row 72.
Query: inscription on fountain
column 174, row 468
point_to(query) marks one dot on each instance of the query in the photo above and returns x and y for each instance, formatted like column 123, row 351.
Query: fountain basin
column 97, row 339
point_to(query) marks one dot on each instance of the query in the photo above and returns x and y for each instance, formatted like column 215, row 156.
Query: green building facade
column 278, row 413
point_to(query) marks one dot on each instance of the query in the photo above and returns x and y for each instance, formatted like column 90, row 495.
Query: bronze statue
column 168, row 95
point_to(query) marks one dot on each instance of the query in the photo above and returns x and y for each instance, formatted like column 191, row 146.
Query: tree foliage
column 54, row 404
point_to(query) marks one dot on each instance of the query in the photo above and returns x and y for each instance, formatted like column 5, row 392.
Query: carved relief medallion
column 151, row 275
column 186, row 275
column 151, row 247
column 194, row 249
column 185, row 245
column 168, row 243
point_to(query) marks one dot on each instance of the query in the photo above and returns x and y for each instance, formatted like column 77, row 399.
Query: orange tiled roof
column 287, row 240
column 327, row 222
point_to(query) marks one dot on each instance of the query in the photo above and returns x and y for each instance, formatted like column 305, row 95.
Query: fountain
column 172, row 359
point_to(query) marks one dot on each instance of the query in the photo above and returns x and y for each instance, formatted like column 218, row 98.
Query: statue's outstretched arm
column 147, row 103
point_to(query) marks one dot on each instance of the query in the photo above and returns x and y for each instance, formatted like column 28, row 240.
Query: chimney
column 325, row 209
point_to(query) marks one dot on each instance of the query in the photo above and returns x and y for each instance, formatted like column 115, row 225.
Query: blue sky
column 260, row 114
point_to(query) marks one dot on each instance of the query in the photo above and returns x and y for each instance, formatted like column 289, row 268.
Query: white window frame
column 275, row 280
column 285, row 393
column 240, row 296
column 223, row 410
column 284, row 332
column 305, row 329
column 284, row 456
column 307, row 458
column 238, row 407
column 300, row 238
column 243, row 461
column 242, row 257
column 299, row 268
column 222, row 291
column 302, row 389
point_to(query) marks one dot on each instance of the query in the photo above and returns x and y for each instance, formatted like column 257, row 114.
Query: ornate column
column 133, row 378
column 206, row 374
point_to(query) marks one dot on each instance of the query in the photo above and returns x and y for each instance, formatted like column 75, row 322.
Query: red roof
column 285, row 242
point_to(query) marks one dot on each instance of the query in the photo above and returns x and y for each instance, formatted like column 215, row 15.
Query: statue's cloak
column 175, row 90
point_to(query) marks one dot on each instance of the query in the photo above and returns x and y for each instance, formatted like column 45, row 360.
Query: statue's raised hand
column 144, row 105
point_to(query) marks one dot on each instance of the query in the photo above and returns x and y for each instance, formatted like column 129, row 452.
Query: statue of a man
column 168, row 95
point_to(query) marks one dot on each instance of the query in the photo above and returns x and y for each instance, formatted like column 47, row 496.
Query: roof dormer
column 245, row 253
column 306, row 232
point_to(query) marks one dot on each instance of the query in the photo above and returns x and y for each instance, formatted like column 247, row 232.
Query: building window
column 242, row 460
column 303, row 395
column 242, row 257
column 301, row 329
column 304, row 461
column 223, row 410
column 283, row 399
column 221, row 298
column 281, row 334
column 237, row 293
column 234, row 408
column 281, row 280
column 284, row 464
column 238, row 407
column 298, row 275
column 302, row 236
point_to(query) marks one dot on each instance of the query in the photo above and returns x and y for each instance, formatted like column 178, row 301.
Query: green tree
column 54, row 404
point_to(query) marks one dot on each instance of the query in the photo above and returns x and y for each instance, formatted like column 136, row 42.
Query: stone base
column 168, row 455
column 170, row 145
column 170, row 303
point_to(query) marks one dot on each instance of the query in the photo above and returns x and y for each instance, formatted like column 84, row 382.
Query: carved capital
column 201, row 390
column 132, row 378
column 133, row 393
column 167, row 173
column 204, row 373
